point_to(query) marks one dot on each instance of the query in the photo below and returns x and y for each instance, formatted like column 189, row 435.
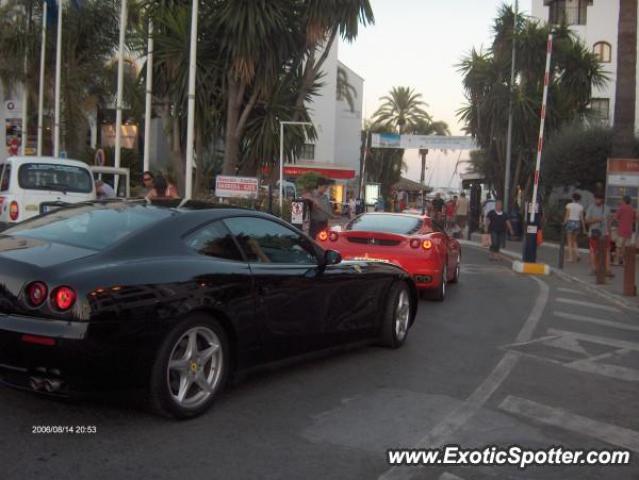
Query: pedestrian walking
column 462, row 211
column 320, row 208
column 625, row 217
column 451, row 211
column 498, row 224
column 489, row 206
column 574, row 224
column 147, row 181
column 598, row 222
column 437, row 208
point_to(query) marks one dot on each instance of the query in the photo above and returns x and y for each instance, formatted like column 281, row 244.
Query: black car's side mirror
column 331, row 257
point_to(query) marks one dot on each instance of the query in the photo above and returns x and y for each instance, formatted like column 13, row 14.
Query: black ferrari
column 123, row 294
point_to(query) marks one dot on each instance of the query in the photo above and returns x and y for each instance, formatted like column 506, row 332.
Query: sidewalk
column 578, row 272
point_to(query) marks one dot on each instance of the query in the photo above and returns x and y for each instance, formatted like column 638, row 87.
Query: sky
column 417, row 43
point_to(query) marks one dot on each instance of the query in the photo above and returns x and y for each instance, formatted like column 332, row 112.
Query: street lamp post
column 282, row 124
column 190, row 125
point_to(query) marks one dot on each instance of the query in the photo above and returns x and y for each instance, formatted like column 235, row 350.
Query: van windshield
column 63, row 178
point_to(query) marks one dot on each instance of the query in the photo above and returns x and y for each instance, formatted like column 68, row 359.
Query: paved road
column 504, row 360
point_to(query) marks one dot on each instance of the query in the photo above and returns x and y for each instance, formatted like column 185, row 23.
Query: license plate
column 49, row 208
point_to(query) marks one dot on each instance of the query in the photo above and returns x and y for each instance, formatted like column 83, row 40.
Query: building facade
column 595, row 22
column 336, row 113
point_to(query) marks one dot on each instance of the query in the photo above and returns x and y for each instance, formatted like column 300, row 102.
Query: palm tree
column 88, row 44
column 259, row 62
column 625, row 96
column 402, row 110
column 575, row 71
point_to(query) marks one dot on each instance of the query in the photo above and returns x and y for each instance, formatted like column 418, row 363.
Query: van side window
column 5, row 177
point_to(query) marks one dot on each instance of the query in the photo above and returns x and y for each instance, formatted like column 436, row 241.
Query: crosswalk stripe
column 608, row 370
column 612, row 342
column 582, row 303
column 598, row 321
column 558, row 417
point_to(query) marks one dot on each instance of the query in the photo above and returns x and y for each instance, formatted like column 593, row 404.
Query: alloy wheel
column 195, row 367
column 402, row 315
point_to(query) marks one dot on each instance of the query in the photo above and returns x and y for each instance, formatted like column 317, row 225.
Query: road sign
column 441, row 142
column 622, row 179
column 297, row 213
column 99, row 157
column 235, row 187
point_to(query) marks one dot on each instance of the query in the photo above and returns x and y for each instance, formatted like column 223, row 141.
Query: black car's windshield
column 90, row 226
column 390, row 223
column 46, row 176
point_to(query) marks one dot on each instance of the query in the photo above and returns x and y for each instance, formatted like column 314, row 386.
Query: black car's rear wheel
column 397, row 316
column 190, row 368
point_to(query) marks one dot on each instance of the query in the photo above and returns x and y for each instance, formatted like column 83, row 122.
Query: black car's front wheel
column 397, row 316
column 190, row 368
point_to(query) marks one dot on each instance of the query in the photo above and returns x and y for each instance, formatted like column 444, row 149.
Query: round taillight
column 323, row 235
column 414, row 243
column 37, row 293
column 14, row 211
column 63, row 298
column 427, row 244
column 333, row 236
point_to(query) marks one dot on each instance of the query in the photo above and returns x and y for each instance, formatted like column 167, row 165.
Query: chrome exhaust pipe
column 36, row 383
column 52, row 386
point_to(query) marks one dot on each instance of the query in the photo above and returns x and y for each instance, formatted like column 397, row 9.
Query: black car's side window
column 269, row 242
column 214, row 240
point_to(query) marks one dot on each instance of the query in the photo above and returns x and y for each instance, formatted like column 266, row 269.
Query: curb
column 611, row 297
column 531, row 268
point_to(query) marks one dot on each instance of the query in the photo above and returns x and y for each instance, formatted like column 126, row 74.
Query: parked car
column 412, row 241
column 129, row 294
column 30, row 186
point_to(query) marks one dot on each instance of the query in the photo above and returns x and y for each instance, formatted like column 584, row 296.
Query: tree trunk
column 625, row 97
column 231, row 142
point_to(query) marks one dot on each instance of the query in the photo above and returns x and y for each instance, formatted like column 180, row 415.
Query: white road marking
column 570, row 290
column 449, row 476
column 558, row 417
column 613, row 371
column 582, row 303
column 612, row 342
column 598, row 321
column 466, row 410
column 567, row 343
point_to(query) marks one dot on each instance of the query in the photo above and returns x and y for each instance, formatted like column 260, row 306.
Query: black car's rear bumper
column 81, row 356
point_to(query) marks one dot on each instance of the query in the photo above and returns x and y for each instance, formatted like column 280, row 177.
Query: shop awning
column 329, row 171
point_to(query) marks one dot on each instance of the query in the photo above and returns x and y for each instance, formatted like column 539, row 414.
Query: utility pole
column 190, row 122
column 510, row 113
column 43, row 54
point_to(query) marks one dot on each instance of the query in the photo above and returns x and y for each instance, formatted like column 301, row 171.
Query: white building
column 595, row 22
column 338, row 122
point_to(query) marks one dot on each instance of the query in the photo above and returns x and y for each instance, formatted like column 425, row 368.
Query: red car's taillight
column 425, row 244
column 322, row 236
column 63, row 298
column 333, row 236
column 36, row 293
column 14, row 211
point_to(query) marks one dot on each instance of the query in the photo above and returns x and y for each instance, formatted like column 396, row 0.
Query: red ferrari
column 411, row 241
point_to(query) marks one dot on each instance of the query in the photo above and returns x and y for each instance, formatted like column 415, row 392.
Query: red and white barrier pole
column 530, row 247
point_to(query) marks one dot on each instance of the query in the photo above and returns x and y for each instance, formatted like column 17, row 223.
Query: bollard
column 562, row 247
column 629, row 265
column 601, row 260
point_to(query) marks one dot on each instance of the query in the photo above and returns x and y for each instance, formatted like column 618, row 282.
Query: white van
column 30, row 186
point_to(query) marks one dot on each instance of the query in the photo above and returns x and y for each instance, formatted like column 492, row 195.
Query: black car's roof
column 176, row 205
